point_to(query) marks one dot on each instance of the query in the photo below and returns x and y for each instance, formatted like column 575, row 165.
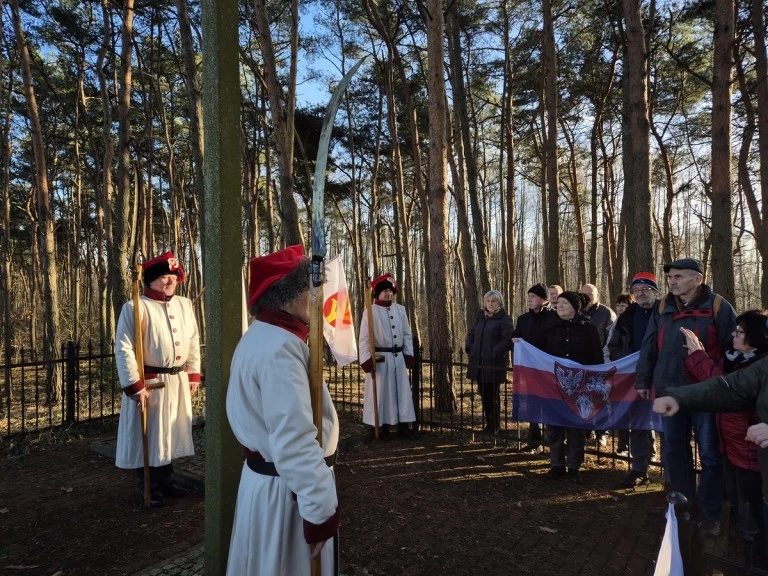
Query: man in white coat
column 287, row 506
column 394, row 355
column 171, row 357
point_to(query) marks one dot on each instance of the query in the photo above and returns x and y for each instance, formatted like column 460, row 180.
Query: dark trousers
column 489, row 392
column 745, row 491
column 535, row 433
column 566, row 446
column 158, row 476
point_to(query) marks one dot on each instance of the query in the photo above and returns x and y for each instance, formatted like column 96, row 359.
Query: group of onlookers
column 683, row 337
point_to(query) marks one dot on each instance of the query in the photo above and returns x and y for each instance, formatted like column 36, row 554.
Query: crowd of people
column 703, row 364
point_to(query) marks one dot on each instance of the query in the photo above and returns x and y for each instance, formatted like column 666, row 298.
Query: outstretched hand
column 666, row 406
column 758, row 434
column 692, row 342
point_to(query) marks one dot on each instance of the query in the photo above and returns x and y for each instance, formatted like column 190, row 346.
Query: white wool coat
column 170, row 338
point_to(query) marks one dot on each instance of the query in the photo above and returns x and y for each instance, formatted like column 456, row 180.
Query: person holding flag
column 287, row 507
column 390, row 360
column 171, row 367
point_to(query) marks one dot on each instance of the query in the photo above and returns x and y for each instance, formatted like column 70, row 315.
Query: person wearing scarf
column 171, row 346
column 488, row 343
column 394, row 353
column 287, row 507
column 741, row 457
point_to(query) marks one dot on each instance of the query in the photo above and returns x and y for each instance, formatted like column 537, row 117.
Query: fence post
column 416, row 383
column 71, row 379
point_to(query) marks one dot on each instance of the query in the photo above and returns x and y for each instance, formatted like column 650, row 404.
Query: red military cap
column 382, row 282
column 266, row 270
column 161, row 265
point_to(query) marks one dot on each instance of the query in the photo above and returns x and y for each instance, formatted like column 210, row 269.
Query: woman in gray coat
column 488, row 343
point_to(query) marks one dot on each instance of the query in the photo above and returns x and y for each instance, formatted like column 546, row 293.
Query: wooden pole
column 372, row 349
column 138, row 347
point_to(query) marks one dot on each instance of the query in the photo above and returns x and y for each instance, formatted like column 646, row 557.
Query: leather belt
column 257, row 463
column 163, row 370
column 394, row 349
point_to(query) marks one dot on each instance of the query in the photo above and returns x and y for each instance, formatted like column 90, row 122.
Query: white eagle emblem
column 585, row 391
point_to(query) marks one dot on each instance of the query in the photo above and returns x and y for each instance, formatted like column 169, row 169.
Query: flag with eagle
column 560, row 392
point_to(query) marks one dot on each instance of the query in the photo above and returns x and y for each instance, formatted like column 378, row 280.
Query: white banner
column 337, row 314
column 670, row 562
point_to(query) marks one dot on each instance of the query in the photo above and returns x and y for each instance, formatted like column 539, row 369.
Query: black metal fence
column 90, row 391
column 84, row 389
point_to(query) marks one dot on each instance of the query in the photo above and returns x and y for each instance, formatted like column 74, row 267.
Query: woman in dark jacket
column 741, row 464
column 488, row 344
column 569, row 334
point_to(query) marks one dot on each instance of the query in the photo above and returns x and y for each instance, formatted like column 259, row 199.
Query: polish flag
column 561, row 392
column 337, row 314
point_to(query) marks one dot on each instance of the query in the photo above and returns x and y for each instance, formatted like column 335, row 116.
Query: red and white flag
column 338, row 329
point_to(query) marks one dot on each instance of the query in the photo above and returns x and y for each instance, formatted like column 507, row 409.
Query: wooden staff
column 375, row 359
column 138, row 348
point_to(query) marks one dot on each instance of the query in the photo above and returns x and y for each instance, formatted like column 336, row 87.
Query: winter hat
column 539, row 290
column 382, row 283
column 645, row 279
column 266, row 270
column 686, row 264
column 574, row 299
column 161, row 265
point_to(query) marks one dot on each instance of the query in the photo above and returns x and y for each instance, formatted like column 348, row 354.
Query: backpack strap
column 716, row 305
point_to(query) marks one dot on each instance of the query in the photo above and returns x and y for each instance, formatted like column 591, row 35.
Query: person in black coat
column 525, row 329
column 568, row 334
column 488, row 343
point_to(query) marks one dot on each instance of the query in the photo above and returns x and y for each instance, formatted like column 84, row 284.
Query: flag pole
column 374, row 359
column 318, row 267
column 138, row 348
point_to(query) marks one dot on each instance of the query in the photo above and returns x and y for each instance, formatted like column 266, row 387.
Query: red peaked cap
column 161, row 265
column 266, row 270
column 385, row 278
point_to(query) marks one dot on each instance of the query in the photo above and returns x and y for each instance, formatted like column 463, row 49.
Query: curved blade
column 318, row 186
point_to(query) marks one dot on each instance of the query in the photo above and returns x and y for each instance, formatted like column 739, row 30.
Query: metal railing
column 90, row 391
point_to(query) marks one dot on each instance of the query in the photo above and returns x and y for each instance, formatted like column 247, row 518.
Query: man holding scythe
column 159, row 390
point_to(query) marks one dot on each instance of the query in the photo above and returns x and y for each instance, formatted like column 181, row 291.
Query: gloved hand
column 410, row 361
column 367, row 366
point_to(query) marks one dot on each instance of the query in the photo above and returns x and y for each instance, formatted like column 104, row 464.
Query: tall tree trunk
column 283, row 107
column 722, row 203
column 636, row 139
column 119, row 276
column 507, row 153
column 549, row 64
column 460, row 97
column 463, row 174
column 578, row 217
column 46, row 218
column 761, row 91
column 5, row 247
column 439, row 327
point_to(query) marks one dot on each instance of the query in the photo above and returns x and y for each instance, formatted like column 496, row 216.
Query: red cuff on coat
column 314, row 533
column 194, row 377
column 367, row 366
column 409, row 361
column 133, row 388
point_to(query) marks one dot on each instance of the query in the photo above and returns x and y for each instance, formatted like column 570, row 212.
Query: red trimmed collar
column 283, row 320
column 384, row 303
column 156, row 295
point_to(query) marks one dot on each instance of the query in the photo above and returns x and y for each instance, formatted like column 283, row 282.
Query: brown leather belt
column 256, row 462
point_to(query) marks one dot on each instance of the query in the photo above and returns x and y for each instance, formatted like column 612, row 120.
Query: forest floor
column 427, row 507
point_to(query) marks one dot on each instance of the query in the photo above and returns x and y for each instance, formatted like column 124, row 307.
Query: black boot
column 168, row 487
column 404, row 430
column 156, row 498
